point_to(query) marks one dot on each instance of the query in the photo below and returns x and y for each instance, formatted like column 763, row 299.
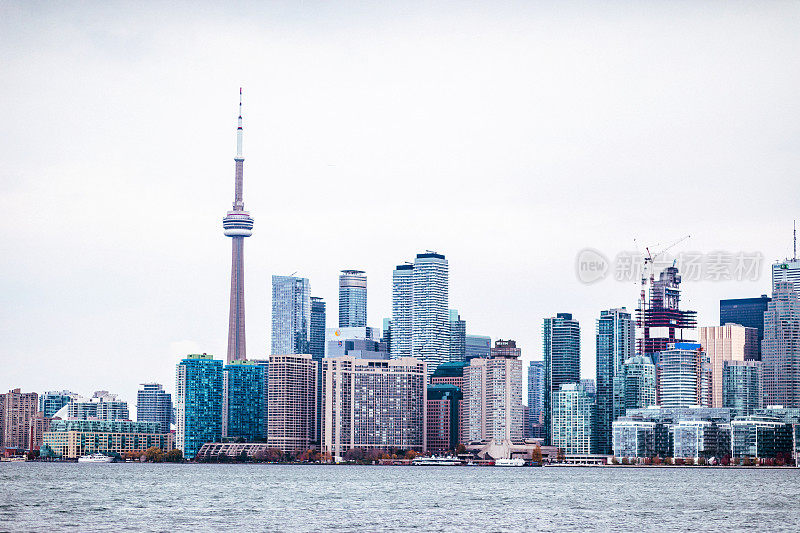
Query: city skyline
column 146, row 285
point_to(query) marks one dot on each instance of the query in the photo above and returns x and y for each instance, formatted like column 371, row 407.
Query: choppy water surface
column 149, row 497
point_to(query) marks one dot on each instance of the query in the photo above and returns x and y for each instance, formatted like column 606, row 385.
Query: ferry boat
column 95, row 458
column 436, row 461
column 510, row 462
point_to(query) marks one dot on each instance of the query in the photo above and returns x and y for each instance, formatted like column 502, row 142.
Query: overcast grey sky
column 506, row 135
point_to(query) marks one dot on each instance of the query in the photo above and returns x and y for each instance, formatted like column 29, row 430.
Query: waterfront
column 159, row 497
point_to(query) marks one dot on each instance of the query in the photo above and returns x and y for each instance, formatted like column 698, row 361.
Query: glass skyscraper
column 780, row 350
column 458, row 334
column 616, row 340
column 742, row 387
column 318, row 323
column 420, row 318
column 634, row 385
column 536, row 399
column 243, row 394
column 786, row 272
column 477, row 346
column 352, row 299
column 291, row 315
column 748, row 312
column 199, row 393
column 562, row 360
column 154, row 405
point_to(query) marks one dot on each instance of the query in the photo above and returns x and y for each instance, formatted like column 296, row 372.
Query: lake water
column 197, row 497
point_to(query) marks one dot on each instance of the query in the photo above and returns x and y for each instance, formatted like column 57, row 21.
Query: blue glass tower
column 317, row 345
column 562, row 361
column 199, row 393
column 154, row 405
column 616, row 339
column 242, row 409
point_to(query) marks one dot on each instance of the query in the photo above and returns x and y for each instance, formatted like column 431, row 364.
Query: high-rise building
column 536, row 399
column 237, row 224
column 198, row 395
column 386, row 337
column 747, row 312
column 787, row 271
column 352, row 299
column 780, row 350
column 742, row 387
column 458, row 336
column 477, row 346
column 17, row 412
column 102, row 405
column 291, row 315
column 562, row 360
column 443, row 417
column 420, row 318
column 317, row 350
column 52, row 401
column 402, row 309
column 659, row 316
column 616, row 341
column 730, row 342
column 635, row 385
column 242, row 397
column 683, row 374
column 373, row 404
column 492, row 396
column 292, row 398
column 572, row 419
column 154, row 405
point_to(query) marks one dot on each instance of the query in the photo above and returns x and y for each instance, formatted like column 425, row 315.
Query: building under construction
column 659, row 317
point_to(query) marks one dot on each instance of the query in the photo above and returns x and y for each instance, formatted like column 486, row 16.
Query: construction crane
column 648, row 262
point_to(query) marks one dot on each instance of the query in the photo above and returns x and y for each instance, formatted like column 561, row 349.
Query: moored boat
column 436, row 461
column 95, row 458
column 510, row 462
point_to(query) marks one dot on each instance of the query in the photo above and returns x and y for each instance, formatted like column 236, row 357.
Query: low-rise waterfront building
column 761, row 437
column 693, row 439
column 71, row 439
column 634, row 438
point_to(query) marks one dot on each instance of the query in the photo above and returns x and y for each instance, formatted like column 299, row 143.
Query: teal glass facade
column 199, row 393
column 243, row 383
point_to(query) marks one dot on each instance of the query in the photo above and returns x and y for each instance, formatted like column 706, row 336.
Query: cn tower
column 237, row 225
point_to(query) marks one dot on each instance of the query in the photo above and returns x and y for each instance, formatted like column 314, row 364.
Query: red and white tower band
column 237, row 225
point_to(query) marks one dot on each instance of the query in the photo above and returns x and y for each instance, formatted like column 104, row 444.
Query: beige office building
column 374, row 404
column 730, row 342
column 291, row 402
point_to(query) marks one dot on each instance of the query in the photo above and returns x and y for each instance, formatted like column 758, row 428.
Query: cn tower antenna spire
column 239, row 129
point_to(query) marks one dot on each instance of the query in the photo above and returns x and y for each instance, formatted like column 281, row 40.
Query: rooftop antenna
column 794, row 231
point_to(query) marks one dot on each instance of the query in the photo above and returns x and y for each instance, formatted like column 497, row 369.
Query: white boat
column 436, row 461
column 510, row 462
column 95, row 458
